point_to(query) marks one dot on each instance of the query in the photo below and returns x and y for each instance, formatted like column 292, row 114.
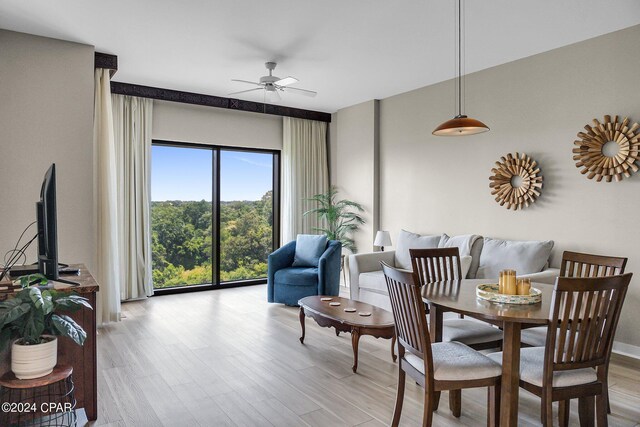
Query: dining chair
column 574, row 361
column 576, row 264
column 435, row 366
column 436, row 265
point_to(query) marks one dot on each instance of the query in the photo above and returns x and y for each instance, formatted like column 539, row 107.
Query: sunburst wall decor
column 624, row 145
column 516, row 181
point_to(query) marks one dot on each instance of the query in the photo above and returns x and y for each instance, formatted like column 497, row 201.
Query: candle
column 510, row 286
column 524, row 286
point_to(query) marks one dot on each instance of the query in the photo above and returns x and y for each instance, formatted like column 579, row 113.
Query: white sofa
column 487, row 257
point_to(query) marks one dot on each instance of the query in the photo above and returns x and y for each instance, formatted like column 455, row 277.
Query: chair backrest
column 575, row 264
column 583, row 320
column 408, row 311
column 436, row 265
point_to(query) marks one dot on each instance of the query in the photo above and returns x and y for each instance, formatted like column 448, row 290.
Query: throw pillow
column 309, row 249
column 463, row 242
column 525, row 257
column 408, row 240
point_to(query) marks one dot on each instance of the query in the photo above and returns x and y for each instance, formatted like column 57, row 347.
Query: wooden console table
column 82, row 358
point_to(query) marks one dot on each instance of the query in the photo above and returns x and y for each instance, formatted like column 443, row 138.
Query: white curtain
column 305, row 173
column 108, row 268
column 132, row 119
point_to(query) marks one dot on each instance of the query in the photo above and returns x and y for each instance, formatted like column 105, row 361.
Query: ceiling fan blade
column 245, row 91
column 286, row 81
column 246, row 81
column 301, row 91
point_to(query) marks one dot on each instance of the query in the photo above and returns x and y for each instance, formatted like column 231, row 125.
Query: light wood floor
column 227, row 357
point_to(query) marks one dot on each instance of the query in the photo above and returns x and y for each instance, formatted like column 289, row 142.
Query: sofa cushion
column 309, row 249
column 463, row 242
column 373, row 280
column 408, row 240
column 525, row 257
column 476, row 250
column 467, row 244
column 297, row 276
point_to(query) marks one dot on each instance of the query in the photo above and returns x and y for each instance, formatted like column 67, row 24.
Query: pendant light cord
column 459, row 57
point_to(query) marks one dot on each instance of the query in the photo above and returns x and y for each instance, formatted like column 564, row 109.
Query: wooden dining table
column 459, row 296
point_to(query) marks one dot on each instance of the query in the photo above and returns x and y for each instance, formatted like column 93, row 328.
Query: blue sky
column 185, row 174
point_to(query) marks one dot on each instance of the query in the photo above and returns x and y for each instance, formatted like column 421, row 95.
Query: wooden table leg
column 302, row 323
column 435, row 323
column 393, row 348
column 355, row 339
column 510, row 375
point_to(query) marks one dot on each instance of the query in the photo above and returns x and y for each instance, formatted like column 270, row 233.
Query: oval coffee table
column 379, row 324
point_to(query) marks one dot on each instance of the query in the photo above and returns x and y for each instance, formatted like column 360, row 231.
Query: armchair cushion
column 297, row 276
column 309, row 249
column 524, row 256
column 408, row 240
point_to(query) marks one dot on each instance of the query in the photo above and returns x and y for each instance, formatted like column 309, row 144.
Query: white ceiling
column 349, row 51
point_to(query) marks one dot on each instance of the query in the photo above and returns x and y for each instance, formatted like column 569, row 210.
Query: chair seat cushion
column 469, row 331
column 532, row 365
column 535, row 337
column 297, row 276
column 454, row 361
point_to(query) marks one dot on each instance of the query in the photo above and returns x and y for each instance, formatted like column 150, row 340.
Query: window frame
column 215, row 214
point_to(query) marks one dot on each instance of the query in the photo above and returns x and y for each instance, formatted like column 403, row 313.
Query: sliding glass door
column 214, row 214
column 246, row 214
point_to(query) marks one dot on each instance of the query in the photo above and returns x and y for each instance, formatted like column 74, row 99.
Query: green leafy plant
column 32, row 312
column 342, row 217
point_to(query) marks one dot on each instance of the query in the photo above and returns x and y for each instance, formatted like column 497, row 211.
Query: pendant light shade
column 460, row 125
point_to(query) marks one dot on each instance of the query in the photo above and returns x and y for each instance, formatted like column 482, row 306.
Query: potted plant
column 342, row 217
column 31, row 319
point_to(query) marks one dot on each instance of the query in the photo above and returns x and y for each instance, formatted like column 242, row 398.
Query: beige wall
column 194, row 123
column 535, row 105
column 46, row 116
column 354, row 158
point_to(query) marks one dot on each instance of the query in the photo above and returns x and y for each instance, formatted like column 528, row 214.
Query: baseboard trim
column 626, row 350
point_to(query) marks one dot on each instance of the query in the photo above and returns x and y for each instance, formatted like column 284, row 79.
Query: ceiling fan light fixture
column 286, row 81
column 460, row 125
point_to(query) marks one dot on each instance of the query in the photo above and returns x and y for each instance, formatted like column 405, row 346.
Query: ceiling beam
column 105, row 60
column 216, row 101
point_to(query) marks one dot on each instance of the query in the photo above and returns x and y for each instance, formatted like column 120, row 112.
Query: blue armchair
column 287, row 284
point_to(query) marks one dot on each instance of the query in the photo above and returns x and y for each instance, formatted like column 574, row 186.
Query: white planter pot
column 34, row 361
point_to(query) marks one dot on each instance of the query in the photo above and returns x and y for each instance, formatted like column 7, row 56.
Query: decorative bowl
column 489, row 292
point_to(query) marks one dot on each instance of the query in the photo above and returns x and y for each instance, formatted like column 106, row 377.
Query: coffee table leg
column 302, row 323
column 355, row 339
column 393, row 347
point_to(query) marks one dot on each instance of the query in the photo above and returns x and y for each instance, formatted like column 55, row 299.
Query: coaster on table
column 350, row 310
column 334, row 303
column 326, row 299
column 365, row 313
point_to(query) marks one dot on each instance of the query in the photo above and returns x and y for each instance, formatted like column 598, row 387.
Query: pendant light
column 460, row 125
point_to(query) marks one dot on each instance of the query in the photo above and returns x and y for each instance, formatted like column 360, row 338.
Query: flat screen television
column 48, row 227
column 47, row 221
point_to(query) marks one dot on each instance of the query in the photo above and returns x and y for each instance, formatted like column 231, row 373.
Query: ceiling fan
column 273, row 84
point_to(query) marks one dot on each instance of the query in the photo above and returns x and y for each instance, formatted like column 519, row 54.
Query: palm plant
column 342, row 217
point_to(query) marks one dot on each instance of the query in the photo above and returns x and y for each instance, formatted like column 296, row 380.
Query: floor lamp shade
column 383, row 238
